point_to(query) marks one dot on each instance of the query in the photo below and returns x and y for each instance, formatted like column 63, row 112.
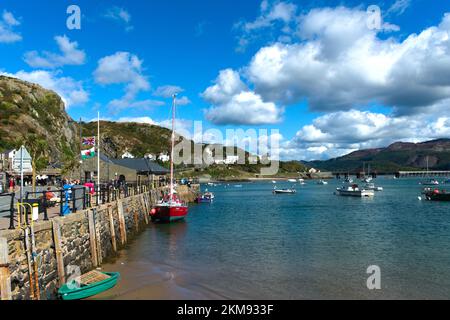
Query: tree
column 38, row 148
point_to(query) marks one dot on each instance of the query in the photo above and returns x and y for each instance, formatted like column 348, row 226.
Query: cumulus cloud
column 233, row 102
column 271, row 15
column 120, row 15
column 340, row 64
column 7, row 24
column 70, row 90
column 339, row 133
column 122, row 68
column 69, row 55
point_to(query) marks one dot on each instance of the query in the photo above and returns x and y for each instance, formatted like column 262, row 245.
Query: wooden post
column 59, row 257
column 112, row 229
column 98, row 238
column 5, row 278
column 92, row 240
column 144, row 206
column 122, row 227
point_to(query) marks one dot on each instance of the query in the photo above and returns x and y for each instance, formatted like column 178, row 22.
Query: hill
column 396, row 157
column 35, row 117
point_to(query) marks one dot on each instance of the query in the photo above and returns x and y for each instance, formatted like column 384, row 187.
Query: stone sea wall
column 80, row 240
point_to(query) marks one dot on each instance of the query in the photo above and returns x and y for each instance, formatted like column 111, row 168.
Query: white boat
column 371, row 186
column 273, row 181
column 367, row 180
column 292, row 180
column 322, row 182
column 284, row 191
column 353, row 190
column 432, row 182
column 301, row 180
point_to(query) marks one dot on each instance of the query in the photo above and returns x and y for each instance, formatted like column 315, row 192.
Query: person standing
column 11, row 185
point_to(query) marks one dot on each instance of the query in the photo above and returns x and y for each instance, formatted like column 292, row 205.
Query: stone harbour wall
column 82, row 240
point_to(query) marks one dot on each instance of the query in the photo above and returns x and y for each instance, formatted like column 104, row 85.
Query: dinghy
column 91, row 284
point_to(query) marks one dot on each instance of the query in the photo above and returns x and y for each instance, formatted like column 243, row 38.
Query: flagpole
column 98, row 149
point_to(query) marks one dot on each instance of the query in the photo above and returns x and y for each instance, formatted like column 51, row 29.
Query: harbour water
column 251, row 244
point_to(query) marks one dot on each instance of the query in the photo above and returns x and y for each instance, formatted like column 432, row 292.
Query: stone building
column 131, row 170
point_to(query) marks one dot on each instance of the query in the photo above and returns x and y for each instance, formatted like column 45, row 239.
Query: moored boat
column 353, row 190
column 322, row 182
column 90, row 284
column 206, row 197
column 372, row 186
column 170, row 208
column 292, row 180
column 431, row 182
column 437, row 195
column 284, row 191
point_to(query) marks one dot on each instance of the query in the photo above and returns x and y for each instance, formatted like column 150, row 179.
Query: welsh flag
column 88, row 154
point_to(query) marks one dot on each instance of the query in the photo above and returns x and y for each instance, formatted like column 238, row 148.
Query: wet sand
column 140, row 280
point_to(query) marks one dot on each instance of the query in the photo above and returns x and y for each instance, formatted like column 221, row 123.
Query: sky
column 324, row 78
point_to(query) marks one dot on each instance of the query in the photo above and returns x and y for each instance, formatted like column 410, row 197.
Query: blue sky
column 129, row 55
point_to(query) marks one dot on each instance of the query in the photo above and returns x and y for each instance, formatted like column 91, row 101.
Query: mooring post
column 58, row 253
column 92, row 240
column 5, row 277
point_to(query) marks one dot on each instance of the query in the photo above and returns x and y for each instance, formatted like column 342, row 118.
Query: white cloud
column 233, row 103
column 7, row 24
column 399, row 7
column 271, row 14
column 70, row 90
column 69, row 55
column 120, row 15
column 340, row 64
column 167, row 91
column 122, row 68
column 338, row 133
column 146, row 120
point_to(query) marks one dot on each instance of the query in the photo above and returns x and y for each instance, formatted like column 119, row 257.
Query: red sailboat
column 170, row 208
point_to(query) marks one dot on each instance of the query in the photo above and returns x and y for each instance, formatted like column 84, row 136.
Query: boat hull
column 66, row 293
column 437, row 196
column 169, row 214
column 356, row 193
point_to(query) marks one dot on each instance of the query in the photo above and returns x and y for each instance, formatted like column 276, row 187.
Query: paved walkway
column 5, row 205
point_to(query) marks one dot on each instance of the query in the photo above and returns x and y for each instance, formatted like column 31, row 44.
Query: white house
column 164, row 157
column 312, row 171
column 13, row 158
column 127, row 155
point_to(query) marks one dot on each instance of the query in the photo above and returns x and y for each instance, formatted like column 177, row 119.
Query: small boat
column 273, row 181
column 322, row 182
column 170, row 208
column 437, row 195
column 284, row 191
column 432, row 182
column 238, row 186
column 367, row 180
column 91, row 284
column 292, row 180
column 301, row 180
column 371, row 186
column 206, row 197
column 353, row 190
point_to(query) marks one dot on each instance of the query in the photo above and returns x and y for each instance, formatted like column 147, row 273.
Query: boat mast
column 173, row 146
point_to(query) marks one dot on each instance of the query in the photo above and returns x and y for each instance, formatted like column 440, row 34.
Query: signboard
column 27, row 166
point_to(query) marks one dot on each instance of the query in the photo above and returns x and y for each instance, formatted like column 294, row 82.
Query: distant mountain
column 396, row 157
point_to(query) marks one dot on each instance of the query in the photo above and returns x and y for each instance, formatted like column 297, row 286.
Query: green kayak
column 70, row 291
